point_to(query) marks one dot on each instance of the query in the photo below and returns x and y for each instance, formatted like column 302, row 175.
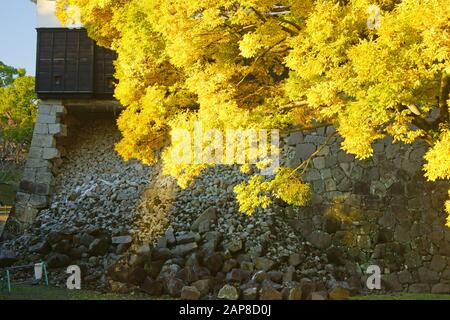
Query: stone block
column 438, row 263
column 57, row 129
column 330, row 185
column 405, row 277
column 321, row 131
column 45, row 178
column 419, row 288
column 325, row 151
column 338, row 174
column 44, row 170
column 315, row 139
column 345, row 157
column 361, row 187
column 330, row 130
column 417, row 153
column 49, row 107
column 378, row 147
column 410, row 167
column 318, row 186
column 413, row 260
column 428, row 276
column 319, row 239
column 50, row 153
column 22, row 197
column 446, row 274
column 44, row 108
column 35, row 153
column 37, row 163
column 440, row 288
column 319, row 163
column 344, row 185
column 316, row 199
column 43, row 140
column 41, row 128
column 391, row 282
column 295, row 138
column 331, row 161
column 58, row 109
column 402, row 234
column 25, row 213
column 43, row 189
column 311, row 175
column 39, row 202
column 347, row 168
column 325, row 174
column 29, row 174
column 304, row 150
column 183, row 249
column 378, row 189
column 26, row 186
column 47, row 118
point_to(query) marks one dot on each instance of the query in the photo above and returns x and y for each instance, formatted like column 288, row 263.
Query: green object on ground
column 6, row 281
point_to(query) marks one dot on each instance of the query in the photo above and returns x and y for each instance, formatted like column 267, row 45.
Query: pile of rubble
column 130, row 228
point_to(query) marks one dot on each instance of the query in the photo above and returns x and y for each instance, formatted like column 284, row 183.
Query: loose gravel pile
column 109, row 215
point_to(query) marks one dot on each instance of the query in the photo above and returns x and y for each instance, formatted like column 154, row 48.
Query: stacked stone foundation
column 379, row 211
column 41, row 166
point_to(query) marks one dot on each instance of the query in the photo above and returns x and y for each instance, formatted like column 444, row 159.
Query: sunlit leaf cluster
column 270, row 64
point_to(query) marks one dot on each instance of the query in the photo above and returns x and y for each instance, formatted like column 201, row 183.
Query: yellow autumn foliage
column 371, row 68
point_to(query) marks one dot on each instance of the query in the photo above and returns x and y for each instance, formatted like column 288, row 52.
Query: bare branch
column 444, row 93
column 308, row 128
column 259, row 57
column 304, row 165
column 296, row 26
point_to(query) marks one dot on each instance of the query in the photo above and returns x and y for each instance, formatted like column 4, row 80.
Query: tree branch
column 263, row 19
column 443, row 97
column 309, row 128
column 259, row 57
column 294, row 105
column 420, row 123
column 291, row 32
column 296, row 26
column 304, row 165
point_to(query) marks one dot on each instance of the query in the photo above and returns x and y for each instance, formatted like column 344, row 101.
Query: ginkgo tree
column 370, row 68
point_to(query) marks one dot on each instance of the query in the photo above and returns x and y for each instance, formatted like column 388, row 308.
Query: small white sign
column 38, row 267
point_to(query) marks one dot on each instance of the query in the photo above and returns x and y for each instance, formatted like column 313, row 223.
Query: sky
column 18, row 34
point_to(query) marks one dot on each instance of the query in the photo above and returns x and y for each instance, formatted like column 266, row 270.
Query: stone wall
column 131, row 228
column 42, row 164
column 378, row 211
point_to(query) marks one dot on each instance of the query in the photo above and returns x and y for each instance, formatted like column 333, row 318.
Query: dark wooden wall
column 70, row 65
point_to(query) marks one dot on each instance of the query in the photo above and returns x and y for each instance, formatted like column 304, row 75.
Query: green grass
column 52, row 293
column 404, row 296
